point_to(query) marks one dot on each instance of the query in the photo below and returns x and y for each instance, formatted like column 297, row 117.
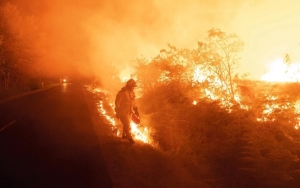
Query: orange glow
column 215, row 90
column 125, row 74
column 198, row 76
column 114, row 32
column 139, row 132
column 272, row 104
column 282, row 72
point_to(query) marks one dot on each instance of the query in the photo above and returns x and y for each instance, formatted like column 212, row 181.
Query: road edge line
column 7, row 125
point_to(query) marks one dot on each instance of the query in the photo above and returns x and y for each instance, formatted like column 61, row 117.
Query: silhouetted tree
column 220, row 55
column 18, row 48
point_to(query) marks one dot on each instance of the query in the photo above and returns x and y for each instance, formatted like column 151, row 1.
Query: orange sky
column 93, row 33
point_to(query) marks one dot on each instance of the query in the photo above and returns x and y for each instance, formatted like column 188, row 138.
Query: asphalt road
column 47, row 139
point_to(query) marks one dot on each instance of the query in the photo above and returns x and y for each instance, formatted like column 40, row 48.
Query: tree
column 147, row 74
column 207, row 71
column 291, row 72
column 220, row 55
column 18, row 47
column 173, row 64
column 10, row 41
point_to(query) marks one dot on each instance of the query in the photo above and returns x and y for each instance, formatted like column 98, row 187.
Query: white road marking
column 7, row 125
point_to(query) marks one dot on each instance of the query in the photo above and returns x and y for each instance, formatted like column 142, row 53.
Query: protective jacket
column 125, row 102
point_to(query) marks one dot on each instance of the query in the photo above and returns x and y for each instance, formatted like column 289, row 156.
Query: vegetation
column 210, row 127
column 214, row 128
column 233, row 149
column 19, row 51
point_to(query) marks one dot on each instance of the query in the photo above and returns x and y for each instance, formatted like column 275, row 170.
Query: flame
column 279, row 72
column 274, row 105
column 282, row 72
column 198, row 76
column 139, row 132
column 215, row 90
column 297, row 111
column 109, row 118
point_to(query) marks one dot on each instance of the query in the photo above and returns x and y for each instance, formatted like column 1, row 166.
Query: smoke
column 88, row 37
column 270, row 29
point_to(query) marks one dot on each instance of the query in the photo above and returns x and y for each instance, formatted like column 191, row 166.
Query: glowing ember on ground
column 109, row 118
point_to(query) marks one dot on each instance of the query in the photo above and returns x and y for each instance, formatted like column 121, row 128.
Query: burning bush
column 227, row 131
column 224, row 130
column 232, row 149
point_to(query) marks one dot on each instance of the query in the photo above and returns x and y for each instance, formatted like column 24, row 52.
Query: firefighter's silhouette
column 125, row 108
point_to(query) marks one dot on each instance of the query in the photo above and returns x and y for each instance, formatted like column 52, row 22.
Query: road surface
column 47, row 139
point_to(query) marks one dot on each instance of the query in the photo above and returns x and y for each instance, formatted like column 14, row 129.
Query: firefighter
column 125, row 107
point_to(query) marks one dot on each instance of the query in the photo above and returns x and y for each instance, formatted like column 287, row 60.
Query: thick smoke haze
column 87, row 36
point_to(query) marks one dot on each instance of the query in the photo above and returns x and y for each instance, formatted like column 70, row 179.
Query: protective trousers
column 125, row 119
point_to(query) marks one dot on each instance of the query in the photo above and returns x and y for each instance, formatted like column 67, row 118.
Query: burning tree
column 205, row 72
column 219, row 57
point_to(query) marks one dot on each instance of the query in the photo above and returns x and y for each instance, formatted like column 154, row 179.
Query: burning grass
column 138, row 165
column 217, row 129
column 233, row 147
column 208, row 144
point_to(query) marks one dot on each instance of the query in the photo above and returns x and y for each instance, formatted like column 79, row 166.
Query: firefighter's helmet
column 131, row 83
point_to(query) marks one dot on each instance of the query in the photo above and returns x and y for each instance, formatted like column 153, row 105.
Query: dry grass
column 205, row 146
column 139, row 165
